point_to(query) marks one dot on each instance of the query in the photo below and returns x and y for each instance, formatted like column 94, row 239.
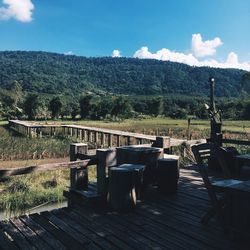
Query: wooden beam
column 239, row 142
column 45, row 167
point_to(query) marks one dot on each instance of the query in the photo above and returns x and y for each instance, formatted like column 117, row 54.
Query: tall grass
column 20, row 193
column 17, row 147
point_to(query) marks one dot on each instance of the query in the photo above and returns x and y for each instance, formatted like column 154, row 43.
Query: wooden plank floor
column 159, row 222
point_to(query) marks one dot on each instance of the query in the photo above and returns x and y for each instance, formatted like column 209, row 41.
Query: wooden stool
column 167, row 175
column 121, row 195
column 138, row 172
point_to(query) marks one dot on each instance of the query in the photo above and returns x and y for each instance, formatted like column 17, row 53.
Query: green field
column 154, row 125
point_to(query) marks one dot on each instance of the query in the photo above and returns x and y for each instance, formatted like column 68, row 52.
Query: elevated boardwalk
column 102, row 136
column 159, row 222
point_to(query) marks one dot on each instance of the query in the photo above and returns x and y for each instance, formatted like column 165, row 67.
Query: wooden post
column 138, row 141
column 95, row 137
column 106, row 158
column 118, row 140
column 188, row 129
column 163, row 142
column 122, row 195
column 41, row 133
column 110, row 137
column 78, row 176
column 89, row 135
column 30, row 132
column 80, row 133
column 128, row 140
column 103, row 139
column 77, row 148
column 168, row 175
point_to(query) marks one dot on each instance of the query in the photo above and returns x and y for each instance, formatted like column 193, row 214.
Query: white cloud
column 168, row 55
column 20, row 10
column 206, row 48
column 116, row 53
column 68, row 53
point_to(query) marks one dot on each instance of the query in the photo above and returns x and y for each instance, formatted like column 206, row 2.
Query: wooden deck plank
column 63, row 226
column 158, row 222
column 59, row 234
column 31, row 236
column 101, row 229
column 6, row 243
column 84, row 228
column 45, row 235
column 17, row 236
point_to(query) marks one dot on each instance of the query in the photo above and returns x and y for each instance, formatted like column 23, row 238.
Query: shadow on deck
column 159, row 222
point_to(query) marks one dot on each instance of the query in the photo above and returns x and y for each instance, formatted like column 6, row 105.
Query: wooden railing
column 100, row 137
column 46, row 167
column 237, row 142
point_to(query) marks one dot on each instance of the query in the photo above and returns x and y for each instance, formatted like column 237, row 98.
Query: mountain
column 53, row 73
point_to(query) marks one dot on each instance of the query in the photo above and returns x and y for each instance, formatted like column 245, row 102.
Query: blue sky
column 196, row 32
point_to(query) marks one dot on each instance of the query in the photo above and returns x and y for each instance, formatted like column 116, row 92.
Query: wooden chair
column 202, row 152
column 230, row 166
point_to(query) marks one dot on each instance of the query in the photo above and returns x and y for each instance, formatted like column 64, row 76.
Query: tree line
column 16, row 103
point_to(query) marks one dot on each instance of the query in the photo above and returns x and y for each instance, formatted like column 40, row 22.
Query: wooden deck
column 159, row 222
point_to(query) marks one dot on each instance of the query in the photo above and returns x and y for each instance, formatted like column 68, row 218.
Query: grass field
column 164, row 126
column 24, row 192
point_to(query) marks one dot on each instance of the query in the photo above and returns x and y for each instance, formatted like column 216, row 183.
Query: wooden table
column 237, row 208
column 240, row 160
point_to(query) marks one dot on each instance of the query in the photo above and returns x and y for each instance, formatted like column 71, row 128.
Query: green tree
column 245, row 83
column 55, row 106
column 246, row 112
column 156, row 106
column 31, row 105
column 104, row 107
column 85, row 106
column 122, row 108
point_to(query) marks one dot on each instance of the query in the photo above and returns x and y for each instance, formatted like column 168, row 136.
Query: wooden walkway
column 159, row 222
column 33, row 129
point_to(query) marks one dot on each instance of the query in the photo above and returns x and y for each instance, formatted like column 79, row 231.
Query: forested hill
column 56, row 73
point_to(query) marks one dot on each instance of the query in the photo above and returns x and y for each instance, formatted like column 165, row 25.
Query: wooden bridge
column 97, row 136
column 158, row 222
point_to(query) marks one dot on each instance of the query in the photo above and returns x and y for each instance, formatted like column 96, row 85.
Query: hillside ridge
column 54, row 73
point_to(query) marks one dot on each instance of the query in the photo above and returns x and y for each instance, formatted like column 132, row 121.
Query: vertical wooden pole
column 163, row 142
column 118, row 140
column 77, row 148
column 80, row 134
column 96, row 138
column 103, row 139
column 110, row 137
column 188, row 129
column 138, row 141
column 106, row 158
column 85, row 135
column 89, row 136
column 128, row 140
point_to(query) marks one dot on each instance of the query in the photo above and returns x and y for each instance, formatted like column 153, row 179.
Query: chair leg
column 208, row 215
